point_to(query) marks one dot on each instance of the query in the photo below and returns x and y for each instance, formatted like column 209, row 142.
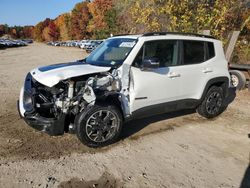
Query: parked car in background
column 8, row 43
column 84, row 43
column 93, row 46
column 81, row 43
column 88, row 45
column 29, row 41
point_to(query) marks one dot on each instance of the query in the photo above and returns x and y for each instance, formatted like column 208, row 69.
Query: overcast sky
column 30, row 12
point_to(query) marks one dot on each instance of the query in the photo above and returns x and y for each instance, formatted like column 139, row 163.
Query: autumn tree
column 104, row 18
column 80, row 17
column 218, row 16
column 4, row 29
column 37, row 32
column 126, row 23
column 27, row 32
column 38, row 29
column 13, row 33
column 1, row 30
column 98, row 19
column 50, row 33
column 63, row 24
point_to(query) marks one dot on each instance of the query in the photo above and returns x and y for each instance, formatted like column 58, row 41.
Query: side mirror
column 150, row 63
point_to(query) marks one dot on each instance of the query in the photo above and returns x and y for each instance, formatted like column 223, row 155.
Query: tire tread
column 201, row 109
column 81, row 121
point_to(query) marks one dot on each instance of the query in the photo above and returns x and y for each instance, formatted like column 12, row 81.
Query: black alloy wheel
column 99, row 125
column 213, row 104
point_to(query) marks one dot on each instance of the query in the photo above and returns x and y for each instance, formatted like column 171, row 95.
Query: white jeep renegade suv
column 126, row 77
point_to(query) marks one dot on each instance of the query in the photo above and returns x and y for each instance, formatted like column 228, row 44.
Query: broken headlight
column 27, row 101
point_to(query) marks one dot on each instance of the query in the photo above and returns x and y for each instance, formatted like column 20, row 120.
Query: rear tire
column 238, row 79
column 213, row 103
column 98, row 126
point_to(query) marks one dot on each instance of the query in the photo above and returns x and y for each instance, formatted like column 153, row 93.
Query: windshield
column 112, row 52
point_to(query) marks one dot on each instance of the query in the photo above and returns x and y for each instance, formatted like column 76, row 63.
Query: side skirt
column 164, row 108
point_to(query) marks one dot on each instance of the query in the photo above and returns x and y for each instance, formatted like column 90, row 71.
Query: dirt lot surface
column 174, row 150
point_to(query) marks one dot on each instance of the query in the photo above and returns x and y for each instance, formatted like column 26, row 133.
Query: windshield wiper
column 82, row 60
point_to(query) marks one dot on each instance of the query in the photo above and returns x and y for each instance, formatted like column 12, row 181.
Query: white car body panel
column 190, row 84
column 153, row 87
column 52, row 77
column 20, row 104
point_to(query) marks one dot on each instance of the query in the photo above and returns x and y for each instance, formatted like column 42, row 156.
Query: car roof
column 169, row 35
column 127, row 36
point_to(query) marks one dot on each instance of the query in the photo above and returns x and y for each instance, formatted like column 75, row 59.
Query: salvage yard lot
column 173, row 150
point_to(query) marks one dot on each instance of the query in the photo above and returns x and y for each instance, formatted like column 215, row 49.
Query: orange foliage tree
column 103, row 22
column 100, row 18
column 51, row 33
column 38, row 29
column 63, row 24
column 80, row 17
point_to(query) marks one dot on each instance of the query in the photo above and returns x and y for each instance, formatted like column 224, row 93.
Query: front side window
column 163, row 50
column 193, row 52
column 112, row 52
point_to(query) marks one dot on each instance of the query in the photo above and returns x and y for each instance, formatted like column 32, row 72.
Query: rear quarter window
column 193, row 52
column 211, row 52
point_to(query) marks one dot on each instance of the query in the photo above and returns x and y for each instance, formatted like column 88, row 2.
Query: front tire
column 98, row 126
column 213, row 103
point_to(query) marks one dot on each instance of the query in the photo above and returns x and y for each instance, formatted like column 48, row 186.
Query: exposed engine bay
column 73, row 95
column 88, row 97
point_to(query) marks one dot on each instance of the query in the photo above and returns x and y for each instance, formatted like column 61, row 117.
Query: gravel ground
column 173, row 150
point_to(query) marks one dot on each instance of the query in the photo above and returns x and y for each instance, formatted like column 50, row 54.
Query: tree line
column 97, row 19
column 16, row 31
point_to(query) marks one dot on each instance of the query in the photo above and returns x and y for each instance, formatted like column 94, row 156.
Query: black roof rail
column 177, row 33
column 118, row 35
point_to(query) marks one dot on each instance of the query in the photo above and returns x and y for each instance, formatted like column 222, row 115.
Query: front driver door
column 154, row 88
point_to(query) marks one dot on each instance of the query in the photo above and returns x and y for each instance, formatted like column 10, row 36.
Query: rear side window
column 193, row 52
column 211, row 52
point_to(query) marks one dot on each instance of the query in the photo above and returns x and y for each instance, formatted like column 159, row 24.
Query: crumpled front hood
column 53, row 74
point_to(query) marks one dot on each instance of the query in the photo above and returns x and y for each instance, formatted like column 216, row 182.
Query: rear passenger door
column 196, row 67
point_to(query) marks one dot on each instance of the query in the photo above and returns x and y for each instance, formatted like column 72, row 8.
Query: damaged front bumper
column 27, row 111
column 51, row 126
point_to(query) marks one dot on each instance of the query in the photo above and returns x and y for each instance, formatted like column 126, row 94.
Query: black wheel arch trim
column 113, row 98
column 220, row 81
